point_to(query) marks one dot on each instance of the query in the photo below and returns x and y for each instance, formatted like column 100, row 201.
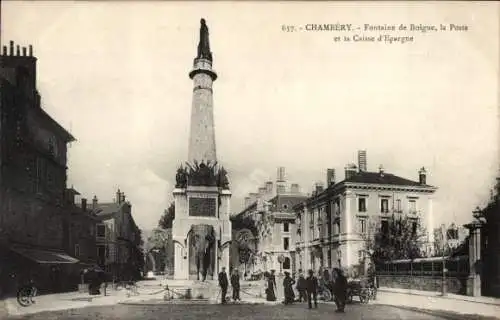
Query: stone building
column 269, row 220
column 334, row 223
column 32, row 175
column 79, row 226
column 489, row 241
column 118, row 238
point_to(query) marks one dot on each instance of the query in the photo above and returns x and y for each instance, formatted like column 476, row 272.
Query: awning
column 44, row 256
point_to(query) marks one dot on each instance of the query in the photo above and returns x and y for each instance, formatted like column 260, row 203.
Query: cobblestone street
column 234, row 312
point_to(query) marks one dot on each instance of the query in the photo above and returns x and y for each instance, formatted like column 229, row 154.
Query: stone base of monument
column 207, row 290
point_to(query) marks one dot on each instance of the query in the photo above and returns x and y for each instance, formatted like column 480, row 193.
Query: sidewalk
column 433, row 301
column 73, row 300
column 148, row 294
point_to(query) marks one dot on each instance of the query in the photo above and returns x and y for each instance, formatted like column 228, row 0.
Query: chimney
column 350, row 171
column 381, row 170
column 11, row 47
column 248, row 202
column 94, row 202
column 280, row 188
column 4, row 53
column 253, row 197
column 18, row 50
column 123, row 198
column 84, row 204
column 362, row 160
column 281, row 174
column 262, row 191
column 318, row 188
column 422, row 176
column 118, row 196
column 30, row 50
column 330, row 177
column 269, row 187
column 295, row 188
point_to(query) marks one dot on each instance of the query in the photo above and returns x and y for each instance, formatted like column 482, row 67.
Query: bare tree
column 400, row 237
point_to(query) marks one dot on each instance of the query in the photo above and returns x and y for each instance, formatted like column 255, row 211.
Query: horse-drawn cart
column 362, row 289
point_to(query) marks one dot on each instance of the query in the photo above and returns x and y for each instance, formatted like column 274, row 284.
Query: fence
column 426, row 274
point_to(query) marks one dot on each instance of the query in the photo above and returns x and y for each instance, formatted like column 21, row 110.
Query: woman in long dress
column 271, row 285
column 288, row 283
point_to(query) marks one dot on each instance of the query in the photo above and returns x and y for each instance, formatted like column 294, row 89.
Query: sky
column 116, row 75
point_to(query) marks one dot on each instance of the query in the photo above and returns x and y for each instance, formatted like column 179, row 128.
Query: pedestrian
column 271, row 285
column 301, row 287
column 340, row 290
column 312, row 289
column 288, row 283
column 235, row 283
column 223, row 283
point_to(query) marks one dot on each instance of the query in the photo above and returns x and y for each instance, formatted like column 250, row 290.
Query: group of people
column 224, row 284
column 307, row 287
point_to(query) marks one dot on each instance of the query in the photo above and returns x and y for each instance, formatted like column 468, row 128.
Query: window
column 398, row 206
column 101, row 254
column 385, row 227
column 413, row 206
column 336, row 228
column 285, row 206
column 286, row 227
column 360, row 255
column 362, row 225
column 286, row 263
column 77, row 250
column 414, row 227
column 384, row 205
column 286, row 243
column 337, row 207
column 101, row 231
column 362, row 204
column 329, row 258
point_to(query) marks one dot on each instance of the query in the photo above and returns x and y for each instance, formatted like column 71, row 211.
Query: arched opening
column 286, row 264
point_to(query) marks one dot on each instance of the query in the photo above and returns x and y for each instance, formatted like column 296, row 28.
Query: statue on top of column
column 204, row 45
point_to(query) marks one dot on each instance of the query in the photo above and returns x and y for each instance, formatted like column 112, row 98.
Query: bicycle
column 26, row 294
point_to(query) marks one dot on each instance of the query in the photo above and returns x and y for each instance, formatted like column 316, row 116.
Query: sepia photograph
column 249, row 160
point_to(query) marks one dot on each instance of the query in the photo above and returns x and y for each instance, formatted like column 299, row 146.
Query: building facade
column 270, row 221
column 333, row 224
column 79, row 226
column 33, row 166
column 118, row 239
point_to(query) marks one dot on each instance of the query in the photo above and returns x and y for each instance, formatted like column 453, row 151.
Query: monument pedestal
column 201, row 232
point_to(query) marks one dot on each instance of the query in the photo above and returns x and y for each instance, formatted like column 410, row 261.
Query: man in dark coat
column 340, row 290
column 223, row 283
column 301, row 287
column 312, row 289
column 235, row 283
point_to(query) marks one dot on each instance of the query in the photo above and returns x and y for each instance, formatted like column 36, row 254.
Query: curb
column 432, row 294
column 443, row 314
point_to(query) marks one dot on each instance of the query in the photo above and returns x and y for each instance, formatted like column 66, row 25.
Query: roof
column 61, row 131
column 106, row 209
column 44, row 256
column 386, row 178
